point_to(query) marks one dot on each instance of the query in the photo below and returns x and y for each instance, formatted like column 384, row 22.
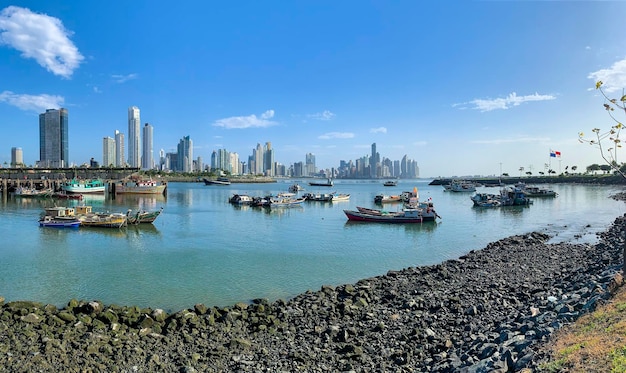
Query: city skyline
column 474, row 89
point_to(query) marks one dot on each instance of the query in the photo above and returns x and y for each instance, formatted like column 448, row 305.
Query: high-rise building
column 268, row 160
column 258, row 160
column 147, row 159
column 133, row 136
column 309, row 165
column 185, row 155
column 17, row 157
column 108, row 151
column 373, row 162
column 53, row 138
column 119, row 149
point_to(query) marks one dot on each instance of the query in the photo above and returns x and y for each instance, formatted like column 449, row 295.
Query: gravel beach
column 489, row 310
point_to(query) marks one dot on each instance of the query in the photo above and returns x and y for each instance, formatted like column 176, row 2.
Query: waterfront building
column 161, row 159
column 233, row 163
column 53, row 138
column 134, row 124
column 17, row 157
column 185, row 155
column 108, row 151
column 119, row 149
column 147, row 159
column 258, row 160
column 268, row 160
column 309, row 165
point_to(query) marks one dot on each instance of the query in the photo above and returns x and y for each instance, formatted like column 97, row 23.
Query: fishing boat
column 390, row 183
column 59, row 222
column 142, row 217
column 23, row 192
column 327, row 183
column 338, row 197
column 405, row 216
column 240, row 199
column 285, row 200
column 139, row 186
column 534, row 191
column 83, row 186
column 318, row 197
column 460, row 186
column 295, row 187
column 219, row 181
column 382, row 198
column 88, row 218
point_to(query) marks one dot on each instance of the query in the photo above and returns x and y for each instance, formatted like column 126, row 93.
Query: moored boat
column 328, row 183
column 59, row 222
column 138, row 186
column 404, row 216
column 337, row 197
column 83, row 186
column 390, row 183
column 219, row 181
column 460, row 186
column 382, row 198
column 33, row 192
column 240, row 199
column 318, row 197
column 143, row 217
column 295, row 187
column 88, row 218
column 284, row 201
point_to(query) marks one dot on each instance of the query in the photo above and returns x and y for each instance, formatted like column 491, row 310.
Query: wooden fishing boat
column 88, row 218
column 405, row 216
column 59, row 222
column 143, row 217
column 139, row 186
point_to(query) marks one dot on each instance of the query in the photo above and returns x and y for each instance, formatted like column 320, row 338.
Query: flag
column 558, row 154
column 552, row 154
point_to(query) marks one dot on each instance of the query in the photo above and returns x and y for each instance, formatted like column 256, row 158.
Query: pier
column 40, row 178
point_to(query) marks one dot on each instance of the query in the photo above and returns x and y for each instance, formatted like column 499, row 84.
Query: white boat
column 534, row 191
column 284, row 201
column 32, row 192
column 340, row 197
column 390, row 183
column 83, row 186
column 318, row 197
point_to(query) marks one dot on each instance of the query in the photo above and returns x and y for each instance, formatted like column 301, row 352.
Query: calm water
column 204, row 250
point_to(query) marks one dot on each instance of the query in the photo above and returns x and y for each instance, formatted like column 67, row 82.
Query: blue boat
column 59, row 222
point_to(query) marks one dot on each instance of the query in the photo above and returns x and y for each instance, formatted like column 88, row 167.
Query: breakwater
column 488, row 310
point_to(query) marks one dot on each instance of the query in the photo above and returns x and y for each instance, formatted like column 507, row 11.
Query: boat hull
column 59, row 223
column 383, row 218
column 153, row 189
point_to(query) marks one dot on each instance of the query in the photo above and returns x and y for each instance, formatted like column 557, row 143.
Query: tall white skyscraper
column 108, row 152
column 147, row 159
column 119, row 149
column 134, row 124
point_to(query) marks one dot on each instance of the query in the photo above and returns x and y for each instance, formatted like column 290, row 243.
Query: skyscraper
column 53, row 138
column 133, row 136
column 119, row 149
column 17, row 157
column 147, row 161
column 309, row 165
column 185, row 155
column 373, row 161
column 268, row 159
column 108, row 151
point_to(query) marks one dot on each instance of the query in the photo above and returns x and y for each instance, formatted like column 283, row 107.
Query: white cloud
column 124, row 78
column 40, row 37
column 379, row 130
column 504, row 103
column 325, row 115
column 250, row 121
column 37, row 103
column 336, row 135
column 512, row 140
column 614, row 78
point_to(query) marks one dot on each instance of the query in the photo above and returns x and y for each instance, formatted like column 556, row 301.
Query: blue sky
column 463, row 88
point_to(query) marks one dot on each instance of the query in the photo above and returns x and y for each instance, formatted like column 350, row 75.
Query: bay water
column 204, row 250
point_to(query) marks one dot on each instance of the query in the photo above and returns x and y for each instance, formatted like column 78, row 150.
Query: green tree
column 610, row 137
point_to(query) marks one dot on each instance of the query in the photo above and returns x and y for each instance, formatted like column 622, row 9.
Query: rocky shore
column 486, row 311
